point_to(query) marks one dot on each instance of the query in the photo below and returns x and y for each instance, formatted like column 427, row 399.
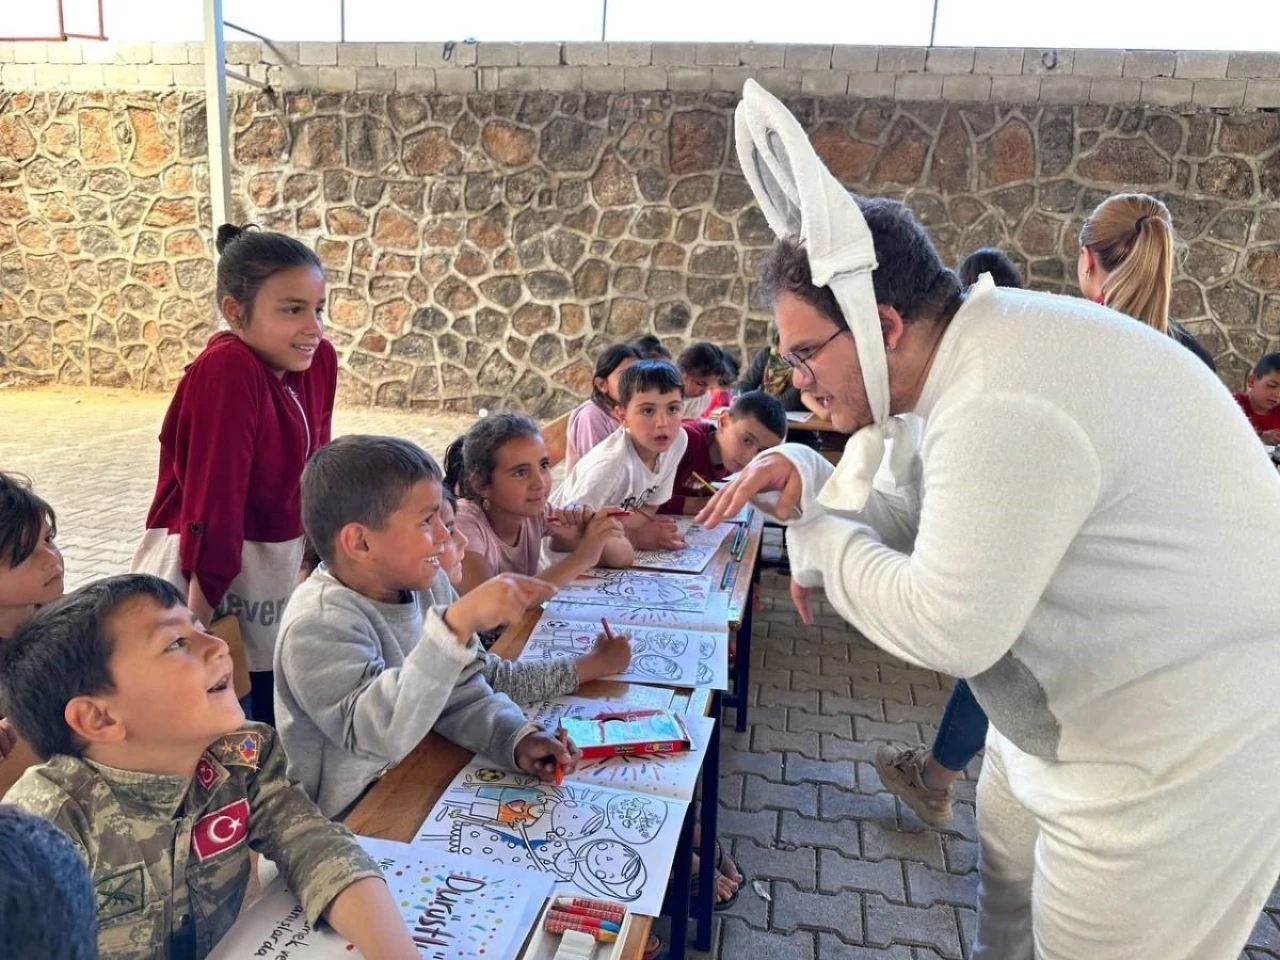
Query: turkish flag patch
column 221, row 830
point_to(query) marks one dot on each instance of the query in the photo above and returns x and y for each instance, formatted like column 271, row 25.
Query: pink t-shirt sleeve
column 521, row 558
column 588, row 425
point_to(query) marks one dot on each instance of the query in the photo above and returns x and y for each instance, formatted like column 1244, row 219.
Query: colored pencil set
column 601, row 920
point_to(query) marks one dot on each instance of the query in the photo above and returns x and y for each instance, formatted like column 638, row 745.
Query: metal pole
column 215, row 95
column 933, row 24
column 604, row 21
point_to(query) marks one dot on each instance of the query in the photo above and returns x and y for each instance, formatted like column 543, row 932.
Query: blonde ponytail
column 1131, row 235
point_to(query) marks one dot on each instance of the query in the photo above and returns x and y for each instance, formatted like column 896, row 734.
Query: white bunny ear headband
column 802, row 200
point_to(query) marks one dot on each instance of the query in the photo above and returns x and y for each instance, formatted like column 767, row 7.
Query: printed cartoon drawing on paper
column 592, row 839
column 658, row 654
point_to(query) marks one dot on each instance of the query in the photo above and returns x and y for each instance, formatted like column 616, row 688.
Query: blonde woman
column 1126, row 263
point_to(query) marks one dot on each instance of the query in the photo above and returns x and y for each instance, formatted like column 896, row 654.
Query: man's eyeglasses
column 799, row 359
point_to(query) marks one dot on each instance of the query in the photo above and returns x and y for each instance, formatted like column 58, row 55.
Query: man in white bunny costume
column 1089, row 533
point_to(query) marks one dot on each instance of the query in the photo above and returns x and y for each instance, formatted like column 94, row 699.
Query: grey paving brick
column 768, row 765
column 767, row 738
column 868, row 689
column 968, row 927
column 775, row 717
column 961, row 855
column 869, row 779
column 777, row 660
column 757, row 862
column 759, row 825
column 912, row 713
column 750, row 908
column 926, row 886
column 881, row 843
column 814, row 681
column 901, row 673
column 841, row 913
column 839, row 726
column 838, row 748
column 800, row 769
column 930, row 927
column 865, row 729
column 739, row 940
column 836, row 803
column 771, row 696
column 831, row 947
column 923, row 694
column 1266, row 934
column 861, row 669
column 730, row 790
column 805, row 831
column 812, row 646
column 963, row 821
column 836, row 705
column 761, row 794
column 838, row 872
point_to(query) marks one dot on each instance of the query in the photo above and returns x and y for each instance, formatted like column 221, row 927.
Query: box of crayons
column 578, row 928
column 635, row 731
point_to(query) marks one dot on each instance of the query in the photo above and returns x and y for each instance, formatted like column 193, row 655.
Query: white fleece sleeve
column 1008, row 482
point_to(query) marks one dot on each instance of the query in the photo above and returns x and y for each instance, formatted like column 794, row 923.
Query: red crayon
column 607, row 632
column 613, row 916
column 561, row 915
column 609, row 905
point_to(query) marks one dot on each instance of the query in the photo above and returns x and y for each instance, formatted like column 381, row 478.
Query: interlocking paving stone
column 799, row 720
column 898, row 673
column 840, row 913
column 831, row 947
column 763, row 862
column 934, row 927
column 868, row 689
column 907, row 733
column 838, row 748
column 753, row 824
column 775, row 717
column 1266, row 934
column 740, row 942
column 806, row 831
column 962, row 855
column 869, row 779
column 926, row 886
column 768, row 765
column 883, row 843
column 801, row 680
column 771, row 696
column 836, row 705
column 861, row 669
column 798, row 768
column 761, row 794
column 836, row 804
column 968, row 926
column 767, row 738
column 836, row 872
column 901, row 712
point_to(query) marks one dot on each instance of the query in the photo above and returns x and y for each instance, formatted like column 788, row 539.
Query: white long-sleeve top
column 1091, row 534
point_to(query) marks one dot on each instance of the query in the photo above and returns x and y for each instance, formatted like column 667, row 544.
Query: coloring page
column 638, row 697
column 456, row 908
column 690, row 559
column 592, row 841
column 713, row 618
column 667, row 656
column 628, row 588
column 698, row 536
column 668, row 774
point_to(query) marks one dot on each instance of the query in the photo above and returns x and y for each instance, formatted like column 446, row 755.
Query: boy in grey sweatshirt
column 365, row 663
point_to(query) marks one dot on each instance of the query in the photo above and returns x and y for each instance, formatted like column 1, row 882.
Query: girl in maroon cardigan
column 225, row 525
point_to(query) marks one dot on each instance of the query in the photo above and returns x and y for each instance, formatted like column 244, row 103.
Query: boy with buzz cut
column 1261, row 399
column 635, row 467
column 153, row 773
column 718, row 448
column 365, row 664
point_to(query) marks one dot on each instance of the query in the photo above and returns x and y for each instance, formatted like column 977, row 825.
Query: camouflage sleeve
column 318, row 858
column 528, row 681
column 40, row 796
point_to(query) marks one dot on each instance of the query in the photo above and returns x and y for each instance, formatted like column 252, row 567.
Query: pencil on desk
column 730, row 572
column 701, row 480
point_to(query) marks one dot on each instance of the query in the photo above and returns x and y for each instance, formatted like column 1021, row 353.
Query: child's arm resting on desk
column 321, row 861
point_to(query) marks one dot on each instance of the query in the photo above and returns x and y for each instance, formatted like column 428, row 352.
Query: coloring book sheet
column 668, row 774
column 668, row 656
column 631, row 588
column 693, row 558
column 713, row 619
column 592, row 841
column 456, row 908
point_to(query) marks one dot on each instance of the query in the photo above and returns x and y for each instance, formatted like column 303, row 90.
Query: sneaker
column 902, row 772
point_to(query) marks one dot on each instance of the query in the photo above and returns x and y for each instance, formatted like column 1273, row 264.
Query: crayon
column 612, row 916
column 564, row 739
column 607, row 632
column 730, row 572
column 560, row 926
column 608, row 905
column 561, row 915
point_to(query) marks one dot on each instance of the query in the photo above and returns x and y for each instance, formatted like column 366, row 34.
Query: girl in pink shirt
column 501, row 473
column 593, row 420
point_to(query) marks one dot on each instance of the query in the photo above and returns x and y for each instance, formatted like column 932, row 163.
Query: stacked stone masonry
column 483, row 243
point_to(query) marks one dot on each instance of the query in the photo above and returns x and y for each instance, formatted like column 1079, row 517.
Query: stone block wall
column 490, row 216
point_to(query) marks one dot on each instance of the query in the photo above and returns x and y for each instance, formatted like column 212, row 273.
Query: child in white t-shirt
column 635, row 467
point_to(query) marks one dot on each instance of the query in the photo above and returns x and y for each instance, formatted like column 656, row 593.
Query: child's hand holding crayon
column 547, row 757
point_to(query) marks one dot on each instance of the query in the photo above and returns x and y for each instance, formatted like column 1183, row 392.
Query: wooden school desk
column 395, row 806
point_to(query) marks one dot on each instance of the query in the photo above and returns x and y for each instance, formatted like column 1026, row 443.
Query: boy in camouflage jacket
column 163, row 787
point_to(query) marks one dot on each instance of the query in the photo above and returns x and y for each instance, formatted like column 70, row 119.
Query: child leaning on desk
column 366, row 663
column 163, row 788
